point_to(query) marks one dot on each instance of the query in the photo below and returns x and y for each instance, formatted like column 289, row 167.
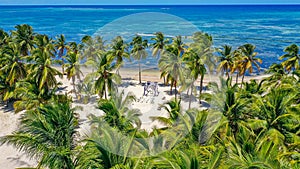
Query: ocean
column 270, row 27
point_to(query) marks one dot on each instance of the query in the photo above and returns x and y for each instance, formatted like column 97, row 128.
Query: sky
column 146, row 2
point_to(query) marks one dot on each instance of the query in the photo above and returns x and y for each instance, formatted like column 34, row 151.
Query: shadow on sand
column 7, row 106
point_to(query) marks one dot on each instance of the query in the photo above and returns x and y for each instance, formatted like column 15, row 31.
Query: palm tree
column 248, row 58
column 139, row 52
column 28, row 96
column 91, row 46
column 61, row 45
column 178, row 45
column 226, row 100
column 73, row 67
column 40, row 65
column 158, row 46
column 171, row 65
column 277, row 72
column 105, row 148
column 119, row 51
column 106, row 80
column 47, row 133
column 24, row 37
column 4, row 38
column 275, row 110
column 12, row 63
column 202, row 46
column 194, row 63
column 74, row 47
column 292, row 58
column 246, row 153
column 174, row 110
column 117, row 113
column 226, row 60
column 237, row 64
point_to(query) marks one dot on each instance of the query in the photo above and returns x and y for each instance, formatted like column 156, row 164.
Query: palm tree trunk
column 105, row 91
column 140, row 77
column 171, row 88
column 74, row 88
column 201, row 86
column 227, row 74
column 237, row 78
column 243, row 80
column 62, row 60
column 190, row 101
column 175, row 89
column 118, row 67
column 62, row 67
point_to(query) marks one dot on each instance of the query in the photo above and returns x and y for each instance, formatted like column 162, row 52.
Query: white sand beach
column 149, row 105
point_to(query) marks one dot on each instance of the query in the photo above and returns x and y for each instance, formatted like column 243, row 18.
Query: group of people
column 151, row 87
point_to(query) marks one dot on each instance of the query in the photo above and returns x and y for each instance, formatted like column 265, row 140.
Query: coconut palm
column 171, row 65
column 202, row 46
column 226, row 60
column 292, row 58
column 226, row 100
column 158, row 46
column 191, row 156
column 28, row 96
column 104, row 148
column 117, row 114
column 73, row 67
column 245, row 153
column 119, row 51
column 24, row 36
column 248, row 59
column 178, row 45
column 276, row 109
column 171, row 62
column 12, row 63
column 6, row 90
column 237, row 64
column 91, row 46
column 277, row 74
column 44, row 43
column 174, row 110
column 105, row 80
column 61, row 45
column 40, row 67
column 139, row 52
column 74, row 47
column 47, row 134
column 194, row 63
column 4, row 38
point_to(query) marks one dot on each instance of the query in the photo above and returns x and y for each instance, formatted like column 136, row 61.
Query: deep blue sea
column 270, row 27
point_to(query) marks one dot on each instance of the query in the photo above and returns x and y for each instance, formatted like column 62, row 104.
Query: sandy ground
column 149, row 105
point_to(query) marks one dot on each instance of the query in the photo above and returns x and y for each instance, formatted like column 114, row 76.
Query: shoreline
column 148, row 105
column 153, row 74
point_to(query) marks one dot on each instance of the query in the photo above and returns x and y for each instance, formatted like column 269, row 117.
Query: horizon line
column 210, row 4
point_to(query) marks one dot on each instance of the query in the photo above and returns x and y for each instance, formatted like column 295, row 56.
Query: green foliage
column 251, row 126
column 47, row 133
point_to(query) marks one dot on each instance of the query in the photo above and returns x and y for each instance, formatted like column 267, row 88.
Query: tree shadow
column 60, row 89
column 205, row 104
column 126, row 84
column 186, row 97
column 7, row 107
column 168, row 92
column 18, row 161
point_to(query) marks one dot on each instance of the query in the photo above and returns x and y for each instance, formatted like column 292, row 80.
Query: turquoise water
column 270, row 28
